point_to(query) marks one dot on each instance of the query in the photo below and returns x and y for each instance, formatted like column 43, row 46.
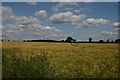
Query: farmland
column 59, row 60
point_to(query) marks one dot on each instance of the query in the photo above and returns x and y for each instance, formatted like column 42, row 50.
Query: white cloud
column 66, row 17
column 14, row 27
column 25, row 27
column 11, row 31
column 70, row 9
column 32, row 3
column 55, row 8
column 77, row 11
column 116, row 24
column 16, row 32
column 24, row 21
column 7, row 13
column 41, row 13
column 78, row 17
column 95, row 22
column 109, row 33
column 117, row 29
column 0, row 12
column 91, row 22
column 62, row 4
column 61, row 17
column 48, row 32
column 51, row 28
column 33, row 23
column 0, row 26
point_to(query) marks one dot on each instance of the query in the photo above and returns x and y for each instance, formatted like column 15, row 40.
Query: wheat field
column 59, row 60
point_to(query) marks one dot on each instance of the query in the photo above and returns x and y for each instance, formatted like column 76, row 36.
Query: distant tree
column 108, row 41
column 112, row 41
column 8, row 40
column 69, row 39
column 23, row 40
column 101, row 41
column 90, row 39
column 62, row 40
column 117, row 40
column 74, row 40
column 2, row 40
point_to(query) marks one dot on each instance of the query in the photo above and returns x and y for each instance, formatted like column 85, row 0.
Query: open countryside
column 59, row 60
column 60, row 40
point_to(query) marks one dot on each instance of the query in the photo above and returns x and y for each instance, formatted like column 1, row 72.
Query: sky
column 60, row 0
column 59, row 20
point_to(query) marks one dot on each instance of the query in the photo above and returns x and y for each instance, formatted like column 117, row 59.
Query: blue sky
column 56, row 20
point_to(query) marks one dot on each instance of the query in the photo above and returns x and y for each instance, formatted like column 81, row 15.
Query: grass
column 59, row 60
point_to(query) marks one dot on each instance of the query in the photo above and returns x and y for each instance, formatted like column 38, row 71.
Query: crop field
column 59, row 60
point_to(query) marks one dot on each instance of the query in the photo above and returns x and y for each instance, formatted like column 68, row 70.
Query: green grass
column 59, row 60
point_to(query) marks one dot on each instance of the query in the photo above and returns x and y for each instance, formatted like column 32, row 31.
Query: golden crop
column 59, row 60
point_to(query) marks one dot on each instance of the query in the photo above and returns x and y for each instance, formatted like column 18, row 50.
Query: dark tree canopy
column 90, row 39
column 108, row 40
column 69, row 39
column 101, row 41
column 74, row 40
column 117, row 40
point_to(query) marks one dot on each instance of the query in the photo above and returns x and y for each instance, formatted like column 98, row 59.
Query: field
column 59, row 60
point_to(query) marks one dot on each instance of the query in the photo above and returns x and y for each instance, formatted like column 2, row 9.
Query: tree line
column 72, row 40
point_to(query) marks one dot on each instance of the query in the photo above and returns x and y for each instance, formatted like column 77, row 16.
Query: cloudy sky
column 58, row 20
